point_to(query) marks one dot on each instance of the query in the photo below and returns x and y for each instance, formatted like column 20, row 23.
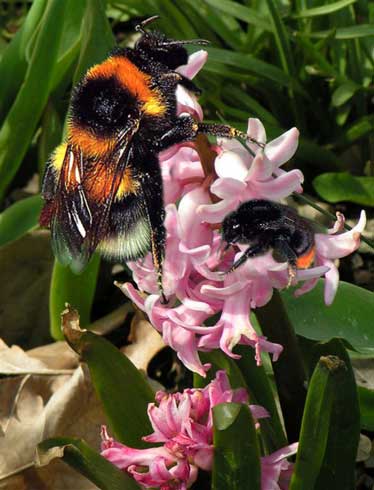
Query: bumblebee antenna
column 140, row 27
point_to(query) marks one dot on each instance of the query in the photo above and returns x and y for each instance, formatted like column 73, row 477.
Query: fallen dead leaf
column 41, row 404
column 146, row 342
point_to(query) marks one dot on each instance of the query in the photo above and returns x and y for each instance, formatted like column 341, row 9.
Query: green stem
column 289, row 370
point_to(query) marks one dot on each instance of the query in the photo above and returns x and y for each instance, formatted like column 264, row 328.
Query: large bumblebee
column 102, row 187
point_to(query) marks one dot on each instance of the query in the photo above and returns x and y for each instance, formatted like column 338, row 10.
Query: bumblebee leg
column 250, row 252
column 151, row 183
column 186, row 128
column 226, row 131
column 172, row 79
column 282, row 247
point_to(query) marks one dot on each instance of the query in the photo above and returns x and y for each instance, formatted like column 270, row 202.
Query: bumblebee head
column 232, row 228
column 169, row 52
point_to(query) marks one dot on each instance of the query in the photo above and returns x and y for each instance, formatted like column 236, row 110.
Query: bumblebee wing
column 84, row 196
column 71, row 215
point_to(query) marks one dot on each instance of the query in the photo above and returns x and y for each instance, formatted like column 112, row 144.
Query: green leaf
column 344, row 93
column 315, row 424
column 70, row 41
column 22, row 119
column 77, row 454
column 51, row 133
column 261, row 393
column 366, row 400
column 122, row 389
column 20, row 218
column 338, row 467
column 349, row 317
column 219, row 360
column 324, row 9
column 244, row 373
column 236, row 453
column 350, row 32
column 341, row 186
column 97, row 38
column 241, row 12
column 77, row 290
column 248, row 63
column 13, row 64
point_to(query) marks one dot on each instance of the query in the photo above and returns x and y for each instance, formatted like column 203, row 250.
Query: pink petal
column 195, row 62
column 261, row 168
column 256, row 130
column 187, row 103
column 214, row 213
column 331, row 283
column 283, row 148
column 227, row 187
column 277, row 188
column 338, row 246
column 232, row 165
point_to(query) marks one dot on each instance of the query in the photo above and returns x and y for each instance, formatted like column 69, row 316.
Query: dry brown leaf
column 146, row 342
column 14, row 360
column 37, row 406
column 56, row 356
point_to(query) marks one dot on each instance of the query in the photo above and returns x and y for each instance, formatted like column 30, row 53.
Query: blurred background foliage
column 304, row 63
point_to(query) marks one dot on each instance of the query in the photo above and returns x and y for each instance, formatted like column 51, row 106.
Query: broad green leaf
column 122, row 389
column 349, row 317
column 289, row 370
column 315, row 424
column 236, row 462
column 70, row 41
column 261, row 393
column 51, row 133
column 366, row 400
column 219, row 360
column 20, row 218
column 341, row 186
column 338, row 467
column 97, row 38
column 77, row 454
column 77, row 290
column 244, row 373
column 13, row 64
column 361, row 128
column 344, row 93
column 22, row 119
column 329, row 8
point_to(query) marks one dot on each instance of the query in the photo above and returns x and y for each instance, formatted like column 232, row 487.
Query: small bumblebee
column 102, row 187
column 267, row 225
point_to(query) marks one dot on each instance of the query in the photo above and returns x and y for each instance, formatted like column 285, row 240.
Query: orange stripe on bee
column 127, row 185
column 90, row 144
column 100, row 181
column 306, row 260
column 133, row 79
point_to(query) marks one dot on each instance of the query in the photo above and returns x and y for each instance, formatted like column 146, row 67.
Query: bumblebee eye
column 235, row 227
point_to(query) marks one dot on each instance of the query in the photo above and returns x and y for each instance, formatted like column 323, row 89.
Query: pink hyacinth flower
column 276, row 471
column 242, row 176
column 330, row 247
column 183, row 423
